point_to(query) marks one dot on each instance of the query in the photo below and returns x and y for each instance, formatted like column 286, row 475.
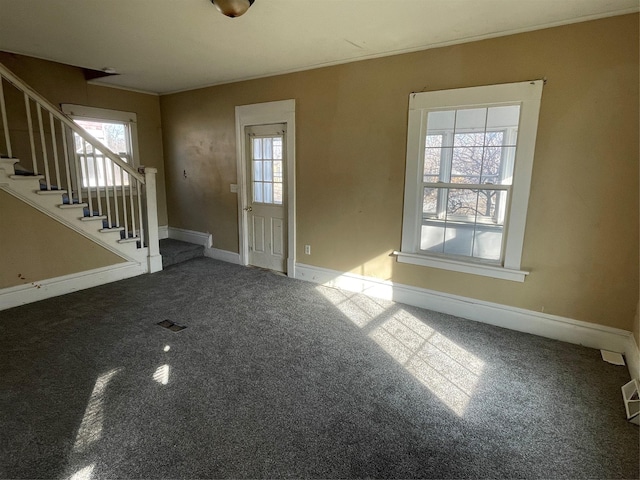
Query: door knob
column 248, row 209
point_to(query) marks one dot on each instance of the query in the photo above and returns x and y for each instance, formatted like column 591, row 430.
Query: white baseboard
column 224, row 255
column 163, row 232
column 52, row 287
column 191, row 236
column 528, row 321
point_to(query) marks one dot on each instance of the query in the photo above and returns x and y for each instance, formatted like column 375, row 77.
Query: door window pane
column 257, row 149
column 268, row 174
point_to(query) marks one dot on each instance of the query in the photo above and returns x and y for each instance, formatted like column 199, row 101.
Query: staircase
column 115, row 208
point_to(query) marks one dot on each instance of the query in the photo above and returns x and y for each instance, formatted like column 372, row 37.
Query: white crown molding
column 53, row 287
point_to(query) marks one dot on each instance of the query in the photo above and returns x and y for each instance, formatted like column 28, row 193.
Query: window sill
column 462, row 267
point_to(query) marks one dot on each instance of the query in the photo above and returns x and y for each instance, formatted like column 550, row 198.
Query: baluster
column 78, row 168
column 132, row 205
column 32, row 141
column 138, row 191
column 54, row 146
column 65, row 152
column 45, row 157
column 124, row 203
column 86, row 164
column 106, row 191
column 95, row 172
column 5, row 124
column 115, row 193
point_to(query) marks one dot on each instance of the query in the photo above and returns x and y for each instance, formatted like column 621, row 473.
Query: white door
column 266, row 196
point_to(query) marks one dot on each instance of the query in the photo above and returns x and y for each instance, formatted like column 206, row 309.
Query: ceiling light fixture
column 232, row 8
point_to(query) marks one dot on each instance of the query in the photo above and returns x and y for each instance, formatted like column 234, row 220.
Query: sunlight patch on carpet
column 84, row 473
column 449, row 371
column 161, row 375
column 90, row 429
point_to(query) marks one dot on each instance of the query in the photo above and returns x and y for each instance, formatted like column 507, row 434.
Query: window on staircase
column 116, row 130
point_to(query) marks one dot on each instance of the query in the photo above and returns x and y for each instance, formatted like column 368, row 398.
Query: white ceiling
column 165, row 46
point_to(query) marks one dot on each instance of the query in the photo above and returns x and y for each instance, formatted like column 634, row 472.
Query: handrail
column 53, row 110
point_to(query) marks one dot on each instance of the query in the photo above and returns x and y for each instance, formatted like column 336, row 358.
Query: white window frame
column 96, row 114
column 526, row 94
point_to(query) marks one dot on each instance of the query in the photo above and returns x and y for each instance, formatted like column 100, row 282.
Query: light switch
column 234, row 188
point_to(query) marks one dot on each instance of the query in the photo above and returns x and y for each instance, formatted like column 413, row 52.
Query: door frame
column 283, row 111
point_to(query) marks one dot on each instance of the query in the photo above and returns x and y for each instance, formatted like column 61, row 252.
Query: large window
column 115, row 130
column 469, row 160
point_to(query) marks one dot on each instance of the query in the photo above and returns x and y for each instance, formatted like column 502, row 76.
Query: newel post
column 153, row 243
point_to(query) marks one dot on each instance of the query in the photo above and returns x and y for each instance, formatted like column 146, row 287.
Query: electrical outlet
column 307, row 249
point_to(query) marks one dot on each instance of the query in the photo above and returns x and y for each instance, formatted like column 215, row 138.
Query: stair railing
column 89, row 175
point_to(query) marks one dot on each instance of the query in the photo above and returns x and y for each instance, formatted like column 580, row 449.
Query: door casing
column 261, row 114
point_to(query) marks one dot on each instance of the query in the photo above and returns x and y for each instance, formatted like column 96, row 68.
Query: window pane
column 430, row 201
column 441, row 122
column 487, row 243
column 268, row 193
column 494, row 139
column 469, row 139
column 492, row 159
column 257, row 192
column 466, row 164
column 268, row 171
column 277, row 148
column 503, row 117
column 432, row 158
column 486, row 208
column 277, row 193
column 277, row 171
column 432, row 235
column 257, row 148
column 257, row 170
column 462, row 202
column 471, row 119
column 267, row 145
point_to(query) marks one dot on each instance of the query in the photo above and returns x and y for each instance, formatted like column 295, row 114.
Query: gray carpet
column 277, row 378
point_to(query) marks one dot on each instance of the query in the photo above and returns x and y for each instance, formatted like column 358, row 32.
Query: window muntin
column 266, row 159
column 467, row 179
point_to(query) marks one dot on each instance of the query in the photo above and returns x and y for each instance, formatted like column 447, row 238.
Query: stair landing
column 176, row 251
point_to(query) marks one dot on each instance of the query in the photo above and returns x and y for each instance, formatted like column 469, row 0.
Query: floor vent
column 174, row 327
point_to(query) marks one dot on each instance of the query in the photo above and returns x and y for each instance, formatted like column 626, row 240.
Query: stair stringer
column 26, row 188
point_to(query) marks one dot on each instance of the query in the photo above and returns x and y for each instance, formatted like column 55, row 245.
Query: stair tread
column 95, row 217
column 129, row 240
column 26, row 177
column 73, row 205
column 51, row 192
column 111, row 230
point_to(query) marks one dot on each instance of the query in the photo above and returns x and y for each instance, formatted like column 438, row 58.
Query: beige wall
column 27, row 240
column 581, row 242
column 66, row 84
